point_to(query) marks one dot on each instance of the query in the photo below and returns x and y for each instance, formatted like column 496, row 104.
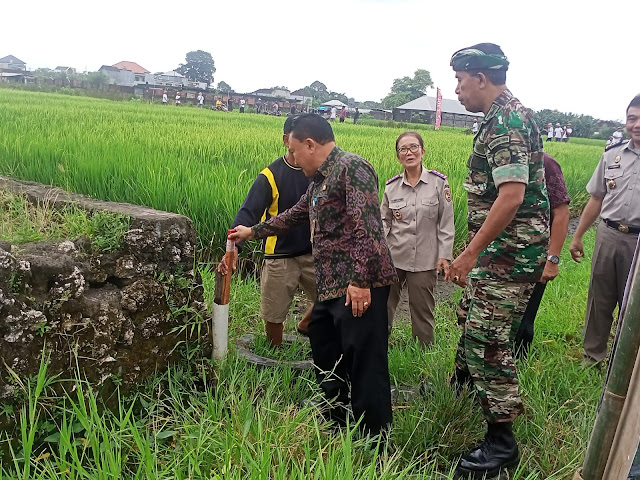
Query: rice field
column 201, row 163
column 234, row 421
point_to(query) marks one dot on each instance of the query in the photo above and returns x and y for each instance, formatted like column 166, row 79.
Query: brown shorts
column 280, row 280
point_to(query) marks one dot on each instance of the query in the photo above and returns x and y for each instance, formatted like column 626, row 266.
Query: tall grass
column 230, row 420
column 201, row 163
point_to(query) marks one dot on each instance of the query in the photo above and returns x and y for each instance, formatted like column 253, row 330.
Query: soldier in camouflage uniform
column 508, row 230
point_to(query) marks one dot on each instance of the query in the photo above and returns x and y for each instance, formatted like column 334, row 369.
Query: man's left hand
column 359, row 298
column 550, row 272
column 460, row 268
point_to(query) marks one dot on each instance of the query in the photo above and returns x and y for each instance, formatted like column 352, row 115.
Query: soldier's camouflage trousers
column 490, row 313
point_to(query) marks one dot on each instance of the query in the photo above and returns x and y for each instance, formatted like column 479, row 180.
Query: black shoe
column 335, row 411
column 461, row 379
column 497, row 452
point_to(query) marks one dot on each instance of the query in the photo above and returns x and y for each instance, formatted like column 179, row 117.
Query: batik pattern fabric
column 349, row 247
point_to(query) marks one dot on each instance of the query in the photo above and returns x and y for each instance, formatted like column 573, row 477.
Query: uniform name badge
column 612, row 184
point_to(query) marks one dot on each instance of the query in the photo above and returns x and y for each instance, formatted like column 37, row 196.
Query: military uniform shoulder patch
column 393, row 179
column 621, row 144
column 438, row 174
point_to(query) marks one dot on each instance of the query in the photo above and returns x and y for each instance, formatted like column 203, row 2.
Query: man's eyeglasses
column 411, row 148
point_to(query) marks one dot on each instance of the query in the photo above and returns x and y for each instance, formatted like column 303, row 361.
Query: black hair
column 313, row 126
column 634, row 103
column 288, row 124
column 497, row 77
column 410, row 134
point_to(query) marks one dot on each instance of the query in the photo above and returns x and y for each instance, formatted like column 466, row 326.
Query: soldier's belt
column 622, row 228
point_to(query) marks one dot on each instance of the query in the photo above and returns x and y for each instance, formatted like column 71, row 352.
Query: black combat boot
column 460, row 380
column 497, row 452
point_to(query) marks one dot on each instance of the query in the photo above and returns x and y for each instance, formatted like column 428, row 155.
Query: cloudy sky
column 568, row 55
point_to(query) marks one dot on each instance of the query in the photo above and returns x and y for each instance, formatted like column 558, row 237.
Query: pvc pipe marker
column 220, row 318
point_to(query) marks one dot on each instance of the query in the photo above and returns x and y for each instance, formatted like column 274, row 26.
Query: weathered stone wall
column 108, row 313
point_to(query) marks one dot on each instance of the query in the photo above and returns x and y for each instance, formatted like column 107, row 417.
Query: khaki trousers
column 610, row 265
column 278, row 284
column 421, row 302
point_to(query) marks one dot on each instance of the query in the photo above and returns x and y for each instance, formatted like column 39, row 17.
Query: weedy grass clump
column 23, row 222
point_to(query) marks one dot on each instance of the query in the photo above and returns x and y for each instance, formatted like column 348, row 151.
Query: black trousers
column 350, row 355
column 524, row 337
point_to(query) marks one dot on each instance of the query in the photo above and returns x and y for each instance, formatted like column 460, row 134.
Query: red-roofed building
column 127, row 74
column 131, row 66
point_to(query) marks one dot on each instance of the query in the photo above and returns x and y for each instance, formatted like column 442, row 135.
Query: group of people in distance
column 178, row 99
column 317, row 209
column 218, row 104
column 261, row 107
column 333, row 114
column 561, row 133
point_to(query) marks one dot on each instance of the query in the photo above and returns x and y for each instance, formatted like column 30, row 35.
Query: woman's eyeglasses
column 411, row 148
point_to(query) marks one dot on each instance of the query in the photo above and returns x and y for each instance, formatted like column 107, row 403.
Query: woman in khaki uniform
column 417, row 214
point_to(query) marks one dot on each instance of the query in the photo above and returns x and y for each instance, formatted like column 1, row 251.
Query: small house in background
column 117, row 77
column 379, row 113
column 12, row 69
column 133, row 66
column 170, row 79
column 127, row 74
column 300, row 96
column 423, row 110
column 12, row 63
column 67, row 70
column 272, row 92
column 139, row 73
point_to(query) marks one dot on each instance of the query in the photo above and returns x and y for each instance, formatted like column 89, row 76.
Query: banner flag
column 438, row 110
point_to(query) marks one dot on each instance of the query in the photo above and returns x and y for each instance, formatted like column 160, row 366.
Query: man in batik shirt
column 348, row 327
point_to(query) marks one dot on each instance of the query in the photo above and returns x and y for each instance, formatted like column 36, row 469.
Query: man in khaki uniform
column 417, row 214
column 615, row 198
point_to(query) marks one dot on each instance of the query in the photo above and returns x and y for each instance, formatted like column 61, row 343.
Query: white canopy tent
column 333, row 103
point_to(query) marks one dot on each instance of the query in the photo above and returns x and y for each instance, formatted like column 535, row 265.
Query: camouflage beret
column 474, row 59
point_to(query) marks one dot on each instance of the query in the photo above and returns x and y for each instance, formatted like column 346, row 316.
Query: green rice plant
column 201, row 163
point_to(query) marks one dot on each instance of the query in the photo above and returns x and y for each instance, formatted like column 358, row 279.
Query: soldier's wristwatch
column 555, row 259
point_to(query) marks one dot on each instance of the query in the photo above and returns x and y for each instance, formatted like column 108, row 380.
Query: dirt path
column 442, row 292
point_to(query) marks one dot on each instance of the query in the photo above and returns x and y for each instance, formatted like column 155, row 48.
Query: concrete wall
column 112, row 315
